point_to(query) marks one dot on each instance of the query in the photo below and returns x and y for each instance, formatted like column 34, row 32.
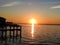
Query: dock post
column 2, row 34
column 20, row 33
column 16, row 32
column 5, row 32
column 6, row 35
column 13, row 33
column 10, row 32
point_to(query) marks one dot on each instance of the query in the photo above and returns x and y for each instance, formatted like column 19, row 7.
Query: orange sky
column 21, row 11
column 39, row 20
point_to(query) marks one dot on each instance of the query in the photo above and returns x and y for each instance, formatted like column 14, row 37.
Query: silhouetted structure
column 9, row 26
column 2, row 21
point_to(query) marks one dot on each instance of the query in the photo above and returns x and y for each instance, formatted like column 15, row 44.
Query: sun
column 33, row 21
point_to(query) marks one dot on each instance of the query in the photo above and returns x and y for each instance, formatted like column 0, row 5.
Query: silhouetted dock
column 13, row 29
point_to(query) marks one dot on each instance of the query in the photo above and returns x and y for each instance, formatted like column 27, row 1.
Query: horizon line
column 39, row 24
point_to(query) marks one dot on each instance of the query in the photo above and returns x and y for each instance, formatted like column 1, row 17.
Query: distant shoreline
column 39, row 24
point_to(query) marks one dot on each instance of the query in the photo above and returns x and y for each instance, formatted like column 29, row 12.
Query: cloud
column 10, row 4
column 16, row 3
column 55, row 7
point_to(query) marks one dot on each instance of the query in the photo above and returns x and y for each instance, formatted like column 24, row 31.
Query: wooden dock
column 10, row 27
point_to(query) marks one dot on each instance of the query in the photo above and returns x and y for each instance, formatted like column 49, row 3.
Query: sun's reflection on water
column 33, row 22
column 32, row 30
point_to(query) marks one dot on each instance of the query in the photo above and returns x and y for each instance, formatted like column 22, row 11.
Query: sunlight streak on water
column 32, row 30
column 33, row 21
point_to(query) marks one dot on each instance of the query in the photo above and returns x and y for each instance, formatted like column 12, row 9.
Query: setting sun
column 33, row 21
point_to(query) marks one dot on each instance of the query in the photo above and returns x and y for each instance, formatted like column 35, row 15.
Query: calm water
column 48, row 34
column 42, row 34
